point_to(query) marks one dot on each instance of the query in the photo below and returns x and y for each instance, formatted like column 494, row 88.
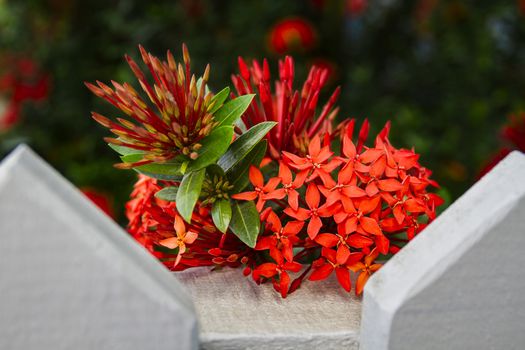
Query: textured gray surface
column 72, row 279
column 235, row 313
column 459, row 285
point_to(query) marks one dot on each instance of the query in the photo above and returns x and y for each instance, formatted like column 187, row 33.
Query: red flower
column 328, row 263
column 281, row 238
column 365, row 270
column 314, row 213
column 316, row 161
column 290, row 186
column 261, row 192
column 292, row 34
column 278, row 269
column 183, row 237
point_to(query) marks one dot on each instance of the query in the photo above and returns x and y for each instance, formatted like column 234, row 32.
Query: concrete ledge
column 235, row 313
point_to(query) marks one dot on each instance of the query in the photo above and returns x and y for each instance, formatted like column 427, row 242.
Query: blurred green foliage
column 446, row 74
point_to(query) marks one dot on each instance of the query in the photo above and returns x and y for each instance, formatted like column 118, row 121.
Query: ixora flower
column 295, row 111
column 359, row 207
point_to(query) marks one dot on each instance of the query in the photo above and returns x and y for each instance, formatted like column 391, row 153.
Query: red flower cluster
column 157, row 225
column 293, row 110
column 374, row 205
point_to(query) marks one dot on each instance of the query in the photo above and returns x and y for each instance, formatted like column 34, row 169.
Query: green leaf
column 245, row 222
column 213, row 147
column 219, row 99
column 231, row 111
column 170, row 170
column 238, row 174
column 244, row 144
column 122, row 150
column 214, row 170
column 221, row 213
column 168, row 193
column 188, row 193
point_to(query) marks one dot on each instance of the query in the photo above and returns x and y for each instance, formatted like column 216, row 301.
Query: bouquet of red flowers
column 261, row 179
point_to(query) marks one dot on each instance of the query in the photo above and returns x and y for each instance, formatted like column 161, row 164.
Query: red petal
column 342, row 255
column 321, row 273
column 312, row 196
column 293, row 199
column 399, row 214
column 267, row 270
column 353, row 192
column 370, row 225
column 245, row 196
column 272, row 184
column 368, row 205
column 371, row 189
column 293, row 227
column 358, row 241
column 299, row 214
column 315, row 146
column 265, row 242
column 378, row 167
column 370, row 155
column 256, row 177
column 360, row 283
column 292, row 266
column 277, row 194
column 285, row 173
column 382, row 244
column 284, row 282
column 348, row 147
column 343, row 277
column 327, row 239
column 351, row 225
column 274, row 222
column 389, row 185
column 314, row 226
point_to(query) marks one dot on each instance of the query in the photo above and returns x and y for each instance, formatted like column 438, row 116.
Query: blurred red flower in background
column 21, row 80
column 292, row 34
column 513, row 136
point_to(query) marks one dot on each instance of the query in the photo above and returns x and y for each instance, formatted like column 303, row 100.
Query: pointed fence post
column 70, row 278
column 461, row 283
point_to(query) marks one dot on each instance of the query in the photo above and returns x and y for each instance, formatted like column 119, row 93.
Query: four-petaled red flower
column 183, row 237
column 260, row 190
column 314, row 213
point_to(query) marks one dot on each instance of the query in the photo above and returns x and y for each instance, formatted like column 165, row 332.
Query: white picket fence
column 70, row 278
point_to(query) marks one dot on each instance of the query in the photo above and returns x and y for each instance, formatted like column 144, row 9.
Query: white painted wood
column 235, row 313
column 461, row 283
column 70, row 278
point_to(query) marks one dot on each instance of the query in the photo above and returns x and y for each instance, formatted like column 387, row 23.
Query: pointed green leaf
column 219, row 99
column 170, row 170
column 221, row 213
column 188, row 193
column 213, row 147
column 244, row 144
column 167, row 193
column 122, row 150
column 233, row 110
column 238, row 174
column 245, row 223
